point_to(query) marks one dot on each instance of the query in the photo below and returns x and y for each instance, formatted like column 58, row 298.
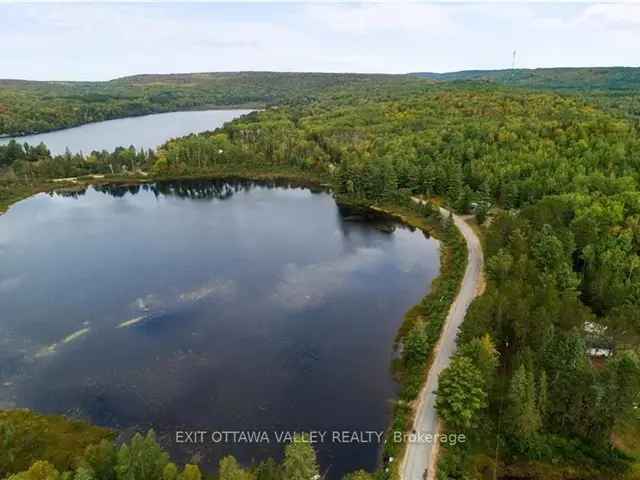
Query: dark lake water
column 148, row 131
column 209, row 306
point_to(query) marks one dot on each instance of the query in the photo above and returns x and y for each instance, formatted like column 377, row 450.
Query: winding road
column 420, row 458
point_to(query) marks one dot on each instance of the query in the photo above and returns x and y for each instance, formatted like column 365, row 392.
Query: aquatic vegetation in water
column 131, row 322
column 153, row 305
column 219, row 288
column 53, row 348
column 308, row 286
column 76, row 335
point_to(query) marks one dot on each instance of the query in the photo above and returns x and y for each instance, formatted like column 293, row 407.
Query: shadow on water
column 189, row 189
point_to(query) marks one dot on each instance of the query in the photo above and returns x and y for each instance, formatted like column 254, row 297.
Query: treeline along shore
column 546, row 383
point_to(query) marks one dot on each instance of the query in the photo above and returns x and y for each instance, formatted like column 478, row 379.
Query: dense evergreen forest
column 547, row 381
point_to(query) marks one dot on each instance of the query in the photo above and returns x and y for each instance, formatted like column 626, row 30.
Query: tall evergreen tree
column 523, row 414
column 229, row 469
column 300, row 461
column 461, row 393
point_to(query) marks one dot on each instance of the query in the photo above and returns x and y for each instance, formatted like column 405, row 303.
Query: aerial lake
column 208, row 306
column 148, row 131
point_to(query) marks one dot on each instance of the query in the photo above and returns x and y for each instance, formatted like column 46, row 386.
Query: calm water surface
column 144, row 132
column 208, row 306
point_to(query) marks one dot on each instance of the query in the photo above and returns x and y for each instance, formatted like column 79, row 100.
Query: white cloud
column 310, row 285
column 381, row 18
column 103, row 41
column 220, row 289
column 619, row 15
column 8, row 285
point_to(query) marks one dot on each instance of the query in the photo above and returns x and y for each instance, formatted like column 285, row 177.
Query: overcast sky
column 74, row 41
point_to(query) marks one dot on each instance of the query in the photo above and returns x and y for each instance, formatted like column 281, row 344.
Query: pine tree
column 231, row 470
column 359, row 475
column 84, row 473
column 523, row 413
column 170, row 472
column 484, row 355
column 191, row 472
column 268, row 470
column 461, row 393
column 543, row 397
column 102, row 458
column 415, row 344
column 124, row 469
column 300, row 461
column 7, row 445
column 40, row 470
column 143, row 459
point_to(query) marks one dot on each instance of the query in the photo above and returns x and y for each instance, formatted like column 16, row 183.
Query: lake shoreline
column 199, row 108
column 146, row 132
column 298, row 178
column 444, row 285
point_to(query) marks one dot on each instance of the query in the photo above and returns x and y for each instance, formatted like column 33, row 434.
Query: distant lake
column 148, row 131
column 207, row 306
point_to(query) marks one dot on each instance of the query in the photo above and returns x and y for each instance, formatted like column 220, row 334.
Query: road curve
column 419, row 459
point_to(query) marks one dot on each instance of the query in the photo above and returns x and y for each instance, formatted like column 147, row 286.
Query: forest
column 559, row 178
column 546, row 383
column 93, row 454
column 34, row 107
column 614, row 88
column 606, row 79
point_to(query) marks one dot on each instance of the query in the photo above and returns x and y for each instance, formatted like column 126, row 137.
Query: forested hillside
column 614, row 88
column 32, row 107
column 554, row 180
column 584, row 79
